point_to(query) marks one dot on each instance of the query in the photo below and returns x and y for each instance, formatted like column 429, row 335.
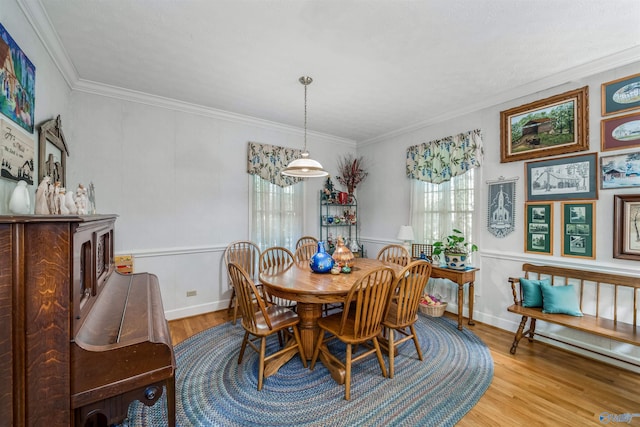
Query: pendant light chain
column 305, row 115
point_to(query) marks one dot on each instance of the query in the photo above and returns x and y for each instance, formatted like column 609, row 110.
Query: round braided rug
column 213, row 390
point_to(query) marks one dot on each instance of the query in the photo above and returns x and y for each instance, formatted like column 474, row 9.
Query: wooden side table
column 460, row 277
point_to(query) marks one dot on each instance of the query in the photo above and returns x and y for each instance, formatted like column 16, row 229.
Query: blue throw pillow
column 531, row 292
column 560, row 299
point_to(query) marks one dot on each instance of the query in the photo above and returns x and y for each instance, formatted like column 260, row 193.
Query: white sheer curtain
column 436, row 209
column 276, row 213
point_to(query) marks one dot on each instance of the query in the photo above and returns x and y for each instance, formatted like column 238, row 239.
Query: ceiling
column 379, row 67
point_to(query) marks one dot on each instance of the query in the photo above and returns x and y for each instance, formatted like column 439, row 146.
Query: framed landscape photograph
column 538, row 228
column 626, row 226
column 620, row 171
column 566, row 178
column 551, row 126
column 621, row 95
column 622, row 132
column 578, row 230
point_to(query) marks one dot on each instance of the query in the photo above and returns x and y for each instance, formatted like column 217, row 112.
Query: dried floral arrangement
column 351, row 172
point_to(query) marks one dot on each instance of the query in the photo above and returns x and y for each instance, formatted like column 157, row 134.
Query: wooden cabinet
column 51, row 270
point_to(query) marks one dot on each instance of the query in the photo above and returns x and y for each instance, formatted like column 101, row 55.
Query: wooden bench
column 603, row 299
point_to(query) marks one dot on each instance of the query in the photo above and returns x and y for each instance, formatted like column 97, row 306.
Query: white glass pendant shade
column 305, row 168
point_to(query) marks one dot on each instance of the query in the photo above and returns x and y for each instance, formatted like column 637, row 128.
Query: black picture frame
column 565, row 178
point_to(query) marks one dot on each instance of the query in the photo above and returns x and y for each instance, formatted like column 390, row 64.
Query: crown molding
column 39, row 20
column 620, row 59
column 117, row 92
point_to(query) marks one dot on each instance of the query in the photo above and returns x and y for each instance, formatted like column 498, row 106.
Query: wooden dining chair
column 280, row 258
column 305, row 252
column 261, row 320
column 306, row 239
column 360, row 322
column 402, row 308
column 396, row 254
column 246, row 254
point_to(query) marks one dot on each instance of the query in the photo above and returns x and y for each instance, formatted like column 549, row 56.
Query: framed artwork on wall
column 565, row 178
column 548, row 127
column 501, row 205
column 620, row 171
column 622, row 132
column 52, row 152
column 626, row 226
column 17, row 153
column 621, row 95
column 18, row 82
column 578, row 229
column 538, row 228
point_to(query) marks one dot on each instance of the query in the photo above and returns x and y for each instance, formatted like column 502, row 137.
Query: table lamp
column 406, row 234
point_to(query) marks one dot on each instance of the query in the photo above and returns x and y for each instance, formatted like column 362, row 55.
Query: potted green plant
column 456, row 250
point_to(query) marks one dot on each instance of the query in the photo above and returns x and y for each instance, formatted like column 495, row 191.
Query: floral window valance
column 267, row 161
column 440, row 160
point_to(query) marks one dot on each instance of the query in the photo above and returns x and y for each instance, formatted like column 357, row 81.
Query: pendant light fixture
column 305, row 167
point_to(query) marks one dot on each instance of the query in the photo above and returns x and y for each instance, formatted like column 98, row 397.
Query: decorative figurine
column 70, row 203
column 42, row 195
column 81, row 200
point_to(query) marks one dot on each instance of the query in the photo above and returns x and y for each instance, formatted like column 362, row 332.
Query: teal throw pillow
column 531, row 291
column 560, row 299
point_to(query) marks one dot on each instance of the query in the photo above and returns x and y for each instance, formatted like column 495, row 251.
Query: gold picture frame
column 548, row 127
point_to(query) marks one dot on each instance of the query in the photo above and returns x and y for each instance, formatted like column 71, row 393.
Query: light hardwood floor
column 540, row 386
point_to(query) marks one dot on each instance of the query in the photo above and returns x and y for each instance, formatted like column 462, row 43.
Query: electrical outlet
column 192, row 293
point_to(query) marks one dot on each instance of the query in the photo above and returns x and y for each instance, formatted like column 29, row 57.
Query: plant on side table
column 456, row 250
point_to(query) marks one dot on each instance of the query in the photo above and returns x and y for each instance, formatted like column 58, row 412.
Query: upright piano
column 78, row 340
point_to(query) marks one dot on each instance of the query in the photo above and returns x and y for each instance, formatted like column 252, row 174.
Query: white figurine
column 60, row 202
column 20, row 204
column 70, row 203
column 42, row 196
column 81, row 200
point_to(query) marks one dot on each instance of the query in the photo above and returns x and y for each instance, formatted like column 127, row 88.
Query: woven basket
column 433, row 310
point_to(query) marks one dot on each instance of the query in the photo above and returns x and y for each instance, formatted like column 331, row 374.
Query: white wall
column 385, row 202
column 177, row 178
column 52, row 92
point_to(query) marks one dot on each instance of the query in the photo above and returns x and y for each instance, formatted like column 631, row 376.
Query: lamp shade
column 304, row 168
column 405, row 233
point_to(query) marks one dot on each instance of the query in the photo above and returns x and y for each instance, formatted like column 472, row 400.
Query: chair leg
column 415, row 341
column 347, row 376
column 233, row 305
column 379, row 355
column 263, row 350
column 243, row 347
column 392, row 351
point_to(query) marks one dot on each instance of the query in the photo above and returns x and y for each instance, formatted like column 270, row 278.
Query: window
column 436, row 209
column 276, row 213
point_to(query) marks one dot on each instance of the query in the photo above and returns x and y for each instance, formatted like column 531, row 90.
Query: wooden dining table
column 311, row 290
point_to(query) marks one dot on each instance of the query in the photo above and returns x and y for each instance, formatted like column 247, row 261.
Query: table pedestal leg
column 309, row 314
